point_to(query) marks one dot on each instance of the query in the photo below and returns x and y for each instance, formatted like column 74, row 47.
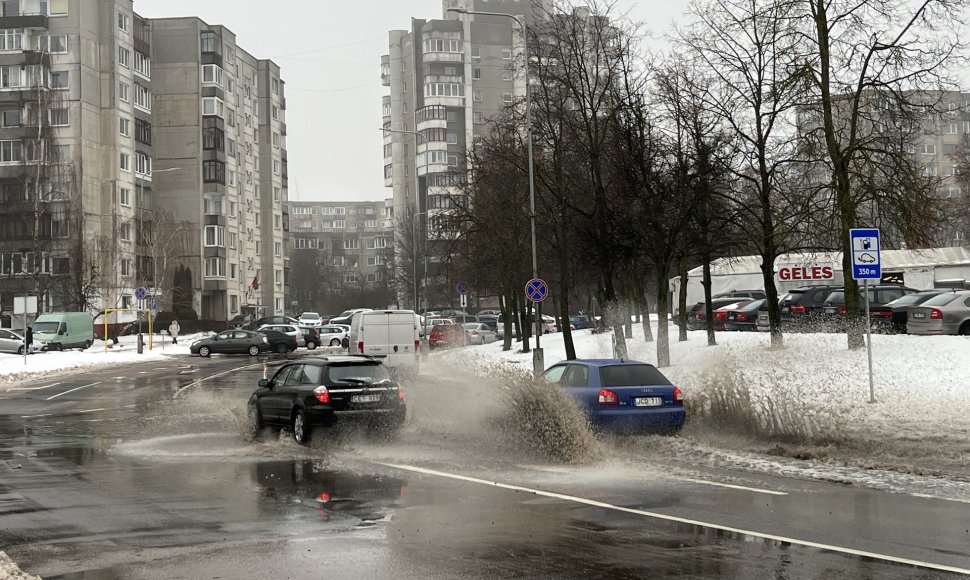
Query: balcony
column 283, row 128
column 24, row 21
column 386, row 70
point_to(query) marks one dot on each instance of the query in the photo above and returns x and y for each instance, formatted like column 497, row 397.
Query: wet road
column 106, row 475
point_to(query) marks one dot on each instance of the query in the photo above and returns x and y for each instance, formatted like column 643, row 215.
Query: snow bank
column 10, row 571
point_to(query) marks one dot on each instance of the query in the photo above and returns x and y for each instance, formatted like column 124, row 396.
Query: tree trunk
column 663, row 329
column 771, row 298
column 645, row 307
column 613, row 315
column 682, row 302
column 516, row 316
column 707, row 283
column 567, row 333
column 508, row 322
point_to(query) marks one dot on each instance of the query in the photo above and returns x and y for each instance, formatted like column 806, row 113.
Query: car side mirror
column 263, row 383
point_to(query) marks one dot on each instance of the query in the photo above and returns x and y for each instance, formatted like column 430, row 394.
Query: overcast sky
column 330, row 51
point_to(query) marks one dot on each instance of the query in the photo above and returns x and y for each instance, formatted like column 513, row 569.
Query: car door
column 296, row 381
column 575, row 381
column 9, row 342
column 272, row 401
column 222, row 343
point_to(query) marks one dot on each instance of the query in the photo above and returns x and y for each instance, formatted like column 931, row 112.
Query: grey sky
column 330, row 52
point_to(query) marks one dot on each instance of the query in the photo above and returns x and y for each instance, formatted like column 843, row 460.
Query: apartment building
column 446, row 78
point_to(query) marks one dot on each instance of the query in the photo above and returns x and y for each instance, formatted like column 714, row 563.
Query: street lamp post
column 537, row 359
column 414, row 233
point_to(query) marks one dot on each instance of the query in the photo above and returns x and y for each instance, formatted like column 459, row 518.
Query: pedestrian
column 173, row 330
column 29, row 339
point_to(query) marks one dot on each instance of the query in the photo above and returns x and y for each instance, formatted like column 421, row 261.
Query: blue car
column 621, row 393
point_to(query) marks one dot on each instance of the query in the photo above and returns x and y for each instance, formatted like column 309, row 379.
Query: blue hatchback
column 621, row 393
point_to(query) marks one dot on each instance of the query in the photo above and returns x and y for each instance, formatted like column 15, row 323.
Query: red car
column 444, row 335
column 721, row 314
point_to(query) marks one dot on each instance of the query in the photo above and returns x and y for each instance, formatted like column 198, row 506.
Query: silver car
column 947, row 313
column 11, row 341
column 478, row 333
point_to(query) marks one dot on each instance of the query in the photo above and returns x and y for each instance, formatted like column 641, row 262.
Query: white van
column 393, row 335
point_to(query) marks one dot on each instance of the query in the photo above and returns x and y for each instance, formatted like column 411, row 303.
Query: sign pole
column 26, row 346
column 872, row 388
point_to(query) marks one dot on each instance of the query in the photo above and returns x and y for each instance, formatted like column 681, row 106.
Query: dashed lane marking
column 670, row 518
column 179, row 392
column 33, row 388
column 730, row 486
column 71, row 391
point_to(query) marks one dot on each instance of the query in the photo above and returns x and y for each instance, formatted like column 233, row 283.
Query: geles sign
column 809, row 272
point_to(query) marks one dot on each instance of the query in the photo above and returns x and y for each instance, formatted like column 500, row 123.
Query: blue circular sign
column 463, row 288
column 536, row 290
column 140, row 293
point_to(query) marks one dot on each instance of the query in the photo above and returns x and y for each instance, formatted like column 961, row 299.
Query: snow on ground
column 40, row 364
column 809, row 398
column 10, row 571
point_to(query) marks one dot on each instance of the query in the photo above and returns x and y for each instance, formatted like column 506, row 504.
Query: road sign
column 463, row 288
column 866, row 259
column 464, row 300
column 154, row 306
column 25, row 305
column 536, row 290
column 141, row 293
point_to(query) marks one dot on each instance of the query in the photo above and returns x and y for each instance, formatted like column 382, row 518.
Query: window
column 143, row 132
column 212, row 75
column 351, row 279
column 506, row 97
column 210, row 42
column 126, row 267
column 377, row 243
column 215, row 236
column 506, row 75
column 277, row 167
column 257, row 218
column 476, row 74
column 126, row 301
column 278, row 249
column 10, row 118
column 143, row 165
column 966, row 126
column 123, row 22
column 57, row 7
column 124, row 127
column 375, row 260
column 452, row 138
column 477, row 95
column 231, row 239
column 476, row 52
column 929, row 149
column 230, row 117
column 276, row 193
column 232, row 213
column 477, row 118
column 123, row 91
column 124, row 232
column 60, row 80
column 213, row 139
column 143, row 65
column 124, row 57
column 213, row 106
column 55, row 43
column 276, row 86
column 62, row 153
column 124, row 197
column 143, row 98
column 230, row 147
column 11, row 39
column 276, row 140
column 215, row 267
column 214, row 172
column 444, row 90
column 213, row 204
column 449, row 71
column 233, row 275
column 930, row 170
column 275, row 112
column 125, row 162
column 442, row 45
column 277, row 222
column 950, row 171
column 352, row 244
column 506, row 54
column 230, row 178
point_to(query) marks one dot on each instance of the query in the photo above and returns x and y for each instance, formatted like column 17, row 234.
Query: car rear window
column 357, row 374
column 941, row 300
column 631, row 376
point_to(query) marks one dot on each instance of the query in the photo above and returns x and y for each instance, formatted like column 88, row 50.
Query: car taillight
column 678, row 395
column 720, row 315
column 741, row 317
column 883, row 313
column 700, row 314
column 841, row 310
column 608, row 397
column 936, row 314
column 400, row 394
column 322, row 394
column 323, row 497
column 417, row 345
column 798, row 309
column 360, row 346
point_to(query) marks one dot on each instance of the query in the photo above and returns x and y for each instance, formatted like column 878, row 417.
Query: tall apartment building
column 446, row 78
column 120, row 136
column 341, row 252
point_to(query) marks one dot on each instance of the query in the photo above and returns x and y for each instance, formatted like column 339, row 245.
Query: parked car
column 495, row 313
column 879, row 295
column 346, row 316
column 479, row 333
column 269, row 320
column 62, row 330
column 621, row 393
column 753, row 294
column 287, row 329
column 697, row 316
column 231, row 342
column 321, row 392
column 802, row 308
column 11, row 342
column 278, row 341
column 311, row 336
column 430, row 323
column 744, row 317
column 444, row 335
column 947, row 313
column 721, row 314
column 333, row 335
column 898, row 309
column 240, row 320
column 489, row 320
column 310, row 319
column 579, row 321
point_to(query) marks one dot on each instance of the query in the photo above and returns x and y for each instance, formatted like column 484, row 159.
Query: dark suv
column 879, row 296
column 800, row 307
column 321, row 392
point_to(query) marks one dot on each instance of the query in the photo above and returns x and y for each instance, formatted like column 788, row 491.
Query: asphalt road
column 144, row 472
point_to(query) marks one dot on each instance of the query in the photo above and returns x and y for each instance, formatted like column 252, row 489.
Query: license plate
column 919, row 315
column 830, row 310
column 648, row 401
column 785, row 309
column 365, row 398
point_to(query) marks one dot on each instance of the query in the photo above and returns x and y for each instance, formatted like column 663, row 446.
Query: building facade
column 138, row 153
column 446, row 78
column 341, row 253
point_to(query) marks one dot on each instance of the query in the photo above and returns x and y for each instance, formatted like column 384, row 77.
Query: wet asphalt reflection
column 119, row 480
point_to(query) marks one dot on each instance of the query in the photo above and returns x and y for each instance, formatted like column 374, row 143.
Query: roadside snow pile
column 10, row 571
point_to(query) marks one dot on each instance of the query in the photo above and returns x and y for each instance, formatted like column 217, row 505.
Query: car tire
column 87, row 344
column 255, row 423
column 20, row 350
column 311, row 345
column 253, row 350
column 301, row 429
column 204, row 351
column 965, row 329
column 335, row 342
column 282, row 348
column 58, row 347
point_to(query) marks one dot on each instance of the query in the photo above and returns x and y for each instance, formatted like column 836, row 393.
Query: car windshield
column 310, row 315
column 631, row 376
column 941, row 299
column 45, row 327
column 471, row 326
column 358, row 374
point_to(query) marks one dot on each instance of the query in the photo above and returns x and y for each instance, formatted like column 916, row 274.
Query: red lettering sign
column 805, row 273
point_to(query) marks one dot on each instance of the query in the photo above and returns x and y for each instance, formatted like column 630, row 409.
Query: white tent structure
column 921, row 269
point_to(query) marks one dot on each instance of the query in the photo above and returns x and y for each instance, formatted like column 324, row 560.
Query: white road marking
column 215, row 376
column 669, row 518
column 143, row 372
column 92, row 410
column 33, row 388
column 729, row 485
column 927, row 496
column 161, row 368
column 72, row 390
column 92, row 420
column 35, row 416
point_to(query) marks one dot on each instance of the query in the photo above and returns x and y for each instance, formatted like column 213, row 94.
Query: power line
column 326, row 48
column 289, row 88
